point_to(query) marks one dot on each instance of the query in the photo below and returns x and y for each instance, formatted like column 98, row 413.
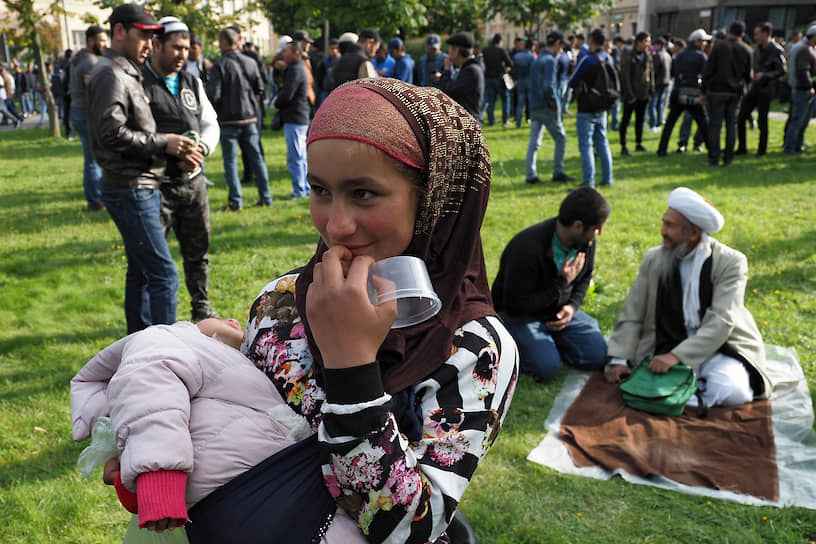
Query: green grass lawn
column 61, row 291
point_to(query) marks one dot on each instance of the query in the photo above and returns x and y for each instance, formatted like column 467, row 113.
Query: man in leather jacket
column 769, row 65
column 131, row 153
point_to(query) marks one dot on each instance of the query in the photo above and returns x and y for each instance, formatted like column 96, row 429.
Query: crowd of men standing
column 148, row 107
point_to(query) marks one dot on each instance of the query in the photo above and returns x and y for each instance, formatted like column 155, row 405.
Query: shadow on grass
column 48, row 464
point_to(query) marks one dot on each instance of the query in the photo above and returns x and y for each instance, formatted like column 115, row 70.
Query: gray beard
column 669, row 259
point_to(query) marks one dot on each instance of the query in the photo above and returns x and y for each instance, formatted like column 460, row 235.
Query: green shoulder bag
column 664, row 394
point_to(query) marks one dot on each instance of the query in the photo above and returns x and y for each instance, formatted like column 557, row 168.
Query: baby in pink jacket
column 189, row 413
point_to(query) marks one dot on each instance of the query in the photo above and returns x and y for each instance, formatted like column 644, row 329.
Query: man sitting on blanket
column 686, row 306
column 543, row 276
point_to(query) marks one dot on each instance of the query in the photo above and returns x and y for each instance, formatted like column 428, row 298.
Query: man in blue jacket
column 404, row 66
column 545, row 109
column 293, row 105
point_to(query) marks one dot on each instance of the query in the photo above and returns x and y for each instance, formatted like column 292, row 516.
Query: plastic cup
column 407, row 281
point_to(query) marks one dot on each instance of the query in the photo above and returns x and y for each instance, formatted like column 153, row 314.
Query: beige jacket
column 726, row 321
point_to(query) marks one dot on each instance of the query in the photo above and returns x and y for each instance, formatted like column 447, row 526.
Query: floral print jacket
column 398, row 466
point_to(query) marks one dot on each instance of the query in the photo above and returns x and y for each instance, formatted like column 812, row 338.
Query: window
column 77, row 40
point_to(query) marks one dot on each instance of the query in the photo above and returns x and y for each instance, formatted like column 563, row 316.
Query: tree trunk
column 45, row 84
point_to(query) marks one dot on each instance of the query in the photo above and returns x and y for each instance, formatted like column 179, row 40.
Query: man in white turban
column 686, row 306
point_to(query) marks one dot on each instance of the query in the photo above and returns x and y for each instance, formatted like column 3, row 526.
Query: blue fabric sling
column 282, row 499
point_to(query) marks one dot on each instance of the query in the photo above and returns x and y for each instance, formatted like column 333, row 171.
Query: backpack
column 664, row 394
column 603, row 91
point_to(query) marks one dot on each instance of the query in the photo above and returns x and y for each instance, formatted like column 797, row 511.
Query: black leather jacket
column 233, row 87
column 121, row 126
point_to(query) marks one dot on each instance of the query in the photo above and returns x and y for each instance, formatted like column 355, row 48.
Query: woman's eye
column 363, row 194
column 318, row 190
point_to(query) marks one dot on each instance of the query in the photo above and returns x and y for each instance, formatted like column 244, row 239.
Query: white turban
column 696, row 209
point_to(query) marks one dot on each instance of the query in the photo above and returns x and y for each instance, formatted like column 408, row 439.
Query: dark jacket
column 529, row 284
column 173, row 116
column 496, row 61
column 728, row 69
column 687, row 67
column 121, row 126
column 662, row 61
column 233, row 87
column 770, row 61
column 467, row 88
column 583, row 77
column 803, row 67
column 636, row 75
column 291, row 100
column 347, row 67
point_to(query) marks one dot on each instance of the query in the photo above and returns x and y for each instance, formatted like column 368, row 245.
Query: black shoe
column 661, row 153
column 741, row 152
column 532, row 181
column 759, row 155
column 681, row 149
column 203, row 312
column 562, row 177
column 262, row 204
column 702, row 407
column 711, row 163
column 230, row 208
column 639, row 147
column 96, row 207
column 699, row 148
column 625, row 152
column 292, row 196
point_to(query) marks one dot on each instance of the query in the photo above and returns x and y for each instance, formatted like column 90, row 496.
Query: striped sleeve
column 398, row 491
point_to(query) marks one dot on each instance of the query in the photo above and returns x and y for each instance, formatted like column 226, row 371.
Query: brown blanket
column 731, row 449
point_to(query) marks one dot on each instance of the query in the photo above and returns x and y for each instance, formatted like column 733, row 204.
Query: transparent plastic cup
column 406, row 279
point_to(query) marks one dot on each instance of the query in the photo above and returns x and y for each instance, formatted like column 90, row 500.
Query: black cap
column 302, row 35
column 461, row 39
column 134, row 15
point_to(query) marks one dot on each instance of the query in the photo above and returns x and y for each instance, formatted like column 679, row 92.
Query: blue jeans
column 494, row 87
column 800, row 113
column 43, row 107
column 296, row 156
column 657, row 106
column 92, row 173
column 151, row 282
column 552, row 121
column 591, row 129
column 542, row 352
column 566, row 95
column 522, row 95
column 26, row 104
column 247, row 135
column 616, row 109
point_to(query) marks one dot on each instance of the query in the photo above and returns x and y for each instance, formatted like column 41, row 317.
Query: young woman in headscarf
column 402, row 417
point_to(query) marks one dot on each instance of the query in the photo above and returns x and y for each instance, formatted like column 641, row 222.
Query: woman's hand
column 347, row 328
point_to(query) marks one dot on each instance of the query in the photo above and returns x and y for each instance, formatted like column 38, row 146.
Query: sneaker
column 262, row 204
column 625, row 151
column 699, row 148
column 532, row 181
column 639, row 147
column 230, row 208
column 562, row 177
column 681, row 149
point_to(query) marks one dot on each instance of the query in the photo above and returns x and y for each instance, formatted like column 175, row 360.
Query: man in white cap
column 686, row 306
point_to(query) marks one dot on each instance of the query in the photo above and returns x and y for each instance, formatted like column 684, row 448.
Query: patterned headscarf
column 450, row 213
